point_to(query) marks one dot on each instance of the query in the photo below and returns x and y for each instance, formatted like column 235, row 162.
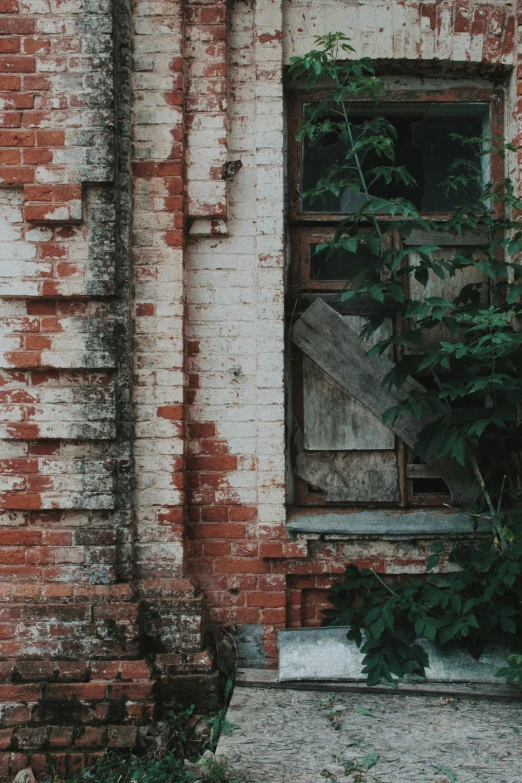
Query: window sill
column 381, row 523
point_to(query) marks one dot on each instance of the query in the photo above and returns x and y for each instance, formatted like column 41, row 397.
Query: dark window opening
column 429, row 486
column 425, row 146
column 339, row 264
column 311, row 490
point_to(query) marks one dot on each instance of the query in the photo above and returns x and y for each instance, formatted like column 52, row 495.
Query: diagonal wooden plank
column 334, row 346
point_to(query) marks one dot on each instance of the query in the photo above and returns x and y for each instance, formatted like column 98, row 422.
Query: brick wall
column 476, row 31
column 142, row 420
column 206, row 71
column 234, row 290
column 95, row 609
column 254, row 577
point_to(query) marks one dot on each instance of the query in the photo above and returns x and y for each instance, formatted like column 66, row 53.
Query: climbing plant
column 471, row 370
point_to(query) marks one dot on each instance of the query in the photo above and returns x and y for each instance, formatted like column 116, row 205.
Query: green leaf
column 430, row 630
column 369, row 761
column 421, row 275
column 459, row 451
column 373, row 614
column 227, row 727
column 376, row 292
column 373, row 243
column 508, row 625
column 364, row 711
column 449, row 774
column 349, row 243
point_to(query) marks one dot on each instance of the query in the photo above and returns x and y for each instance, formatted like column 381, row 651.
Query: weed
column 358, row 770
column 117, row 768
column 450, row 776
column 364, row 711
column 219, row 723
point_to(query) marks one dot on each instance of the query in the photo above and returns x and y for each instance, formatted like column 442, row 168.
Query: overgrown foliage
column 513, row 671
column 117, row 768
column 469, row 606
column 464, row 348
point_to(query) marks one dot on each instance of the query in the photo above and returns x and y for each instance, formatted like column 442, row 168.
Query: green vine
column 471, row 368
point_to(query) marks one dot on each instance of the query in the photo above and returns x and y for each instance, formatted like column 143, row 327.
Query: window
column 341, row 453
column 425, row 145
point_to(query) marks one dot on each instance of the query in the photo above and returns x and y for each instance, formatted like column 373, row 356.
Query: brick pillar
column 172, row 610
column 206, row 122
column 73, row 537
column 72, row 676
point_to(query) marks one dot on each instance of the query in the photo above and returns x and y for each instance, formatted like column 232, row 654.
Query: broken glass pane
column 424, row 146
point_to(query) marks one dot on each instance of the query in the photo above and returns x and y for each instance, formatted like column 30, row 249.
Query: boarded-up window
column 341, row 452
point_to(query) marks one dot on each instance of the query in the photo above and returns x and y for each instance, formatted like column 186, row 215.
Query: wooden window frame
column 493, row 97
column 306, row 227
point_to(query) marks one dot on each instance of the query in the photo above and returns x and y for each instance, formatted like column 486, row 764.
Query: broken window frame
column 305, row 227
column 299, row 99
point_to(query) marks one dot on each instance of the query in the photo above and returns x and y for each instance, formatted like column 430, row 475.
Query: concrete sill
column 326, row 654
column 382, row 523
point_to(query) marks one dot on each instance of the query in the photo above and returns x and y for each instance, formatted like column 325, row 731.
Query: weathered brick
column 32, row 738
column 91, row 737
column 5, row 738
column 61, row 737
column 121, row 736
column 88, row 691
column 130, row 690
column 135, row 670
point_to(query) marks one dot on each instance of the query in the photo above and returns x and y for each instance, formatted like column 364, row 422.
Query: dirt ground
column 288, row 736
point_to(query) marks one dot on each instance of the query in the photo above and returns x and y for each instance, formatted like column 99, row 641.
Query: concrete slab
column 326, row 654
column 393, row 524
column 288, row 736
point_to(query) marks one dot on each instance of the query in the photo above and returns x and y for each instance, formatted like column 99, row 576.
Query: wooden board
column 331, row 343
column 333, row 419
column 449, row 288
column 414, row 470
column 468, row 238
column 352, row 476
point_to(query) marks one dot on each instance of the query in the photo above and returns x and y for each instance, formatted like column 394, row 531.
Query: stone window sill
column 384, row 524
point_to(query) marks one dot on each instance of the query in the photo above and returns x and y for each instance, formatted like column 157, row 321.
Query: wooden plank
column 468, row 238
column 363, row 306
column 352, row 476
column 414, row 470
column 449, row 288
column 334, row 420
column 332, row 344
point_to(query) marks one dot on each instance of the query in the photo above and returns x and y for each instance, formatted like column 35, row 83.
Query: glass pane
column 338, row 265
column 424, row 146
